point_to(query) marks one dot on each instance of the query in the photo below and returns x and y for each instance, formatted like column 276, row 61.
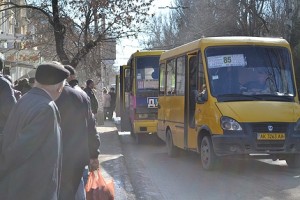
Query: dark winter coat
column 7, row 101
column 93, row 99
column 30, row 162
column 79, row 137
column 113, row 97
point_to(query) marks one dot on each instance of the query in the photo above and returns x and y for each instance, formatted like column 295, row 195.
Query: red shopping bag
column 97, row 189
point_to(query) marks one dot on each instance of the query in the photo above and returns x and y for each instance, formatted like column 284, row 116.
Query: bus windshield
column 250, row 71
column 147, row 72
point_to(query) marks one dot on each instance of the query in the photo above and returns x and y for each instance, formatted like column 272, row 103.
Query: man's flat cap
column 50, row 73
column 70, row 69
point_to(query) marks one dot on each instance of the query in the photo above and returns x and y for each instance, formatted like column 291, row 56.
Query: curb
column 112, row 162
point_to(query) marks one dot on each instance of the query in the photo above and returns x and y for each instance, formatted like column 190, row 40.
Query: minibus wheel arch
column 171, row 148
column 166, row 132
column 203, row 132
column 205, row 148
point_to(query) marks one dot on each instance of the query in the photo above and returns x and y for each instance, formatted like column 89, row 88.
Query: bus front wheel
column 293, row 161
column 172, row 150
column 208, row 157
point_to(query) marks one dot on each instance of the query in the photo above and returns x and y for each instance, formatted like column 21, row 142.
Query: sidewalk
column 112, row 161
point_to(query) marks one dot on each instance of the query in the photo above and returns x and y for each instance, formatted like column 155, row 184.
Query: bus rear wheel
column 138, row 138
column 172, row 150
column 208, row 157
column 293, row 161
column 131, row 130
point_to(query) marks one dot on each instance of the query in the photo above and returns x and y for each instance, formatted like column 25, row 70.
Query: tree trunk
column 59, row 34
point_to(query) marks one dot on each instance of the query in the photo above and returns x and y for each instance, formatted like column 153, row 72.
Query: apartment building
column 19, row 35
column 20, row 59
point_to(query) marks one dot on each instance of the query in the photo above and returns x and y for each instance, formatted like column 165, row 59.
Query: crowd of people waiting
column 47, row 134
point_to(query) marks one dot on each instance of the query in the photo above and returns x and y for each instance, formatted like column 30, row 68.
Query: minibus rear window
column 147, row 72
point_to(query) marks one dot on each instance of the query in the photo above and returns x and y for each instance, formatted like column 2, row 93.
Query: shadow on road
column 227, row 163
column 154, row 175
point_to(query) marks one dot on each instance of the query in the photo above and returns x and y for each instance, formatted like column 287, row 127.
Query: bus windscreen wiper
column 254, row 97
column 272, row 97
column 237, row 97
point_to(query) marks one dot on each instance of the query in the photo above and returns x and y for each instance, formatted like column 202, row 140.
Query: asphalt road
column 156, row 176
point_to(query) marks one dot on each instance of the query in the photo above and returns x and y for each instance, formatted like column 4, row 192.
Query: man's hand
column 94, row 164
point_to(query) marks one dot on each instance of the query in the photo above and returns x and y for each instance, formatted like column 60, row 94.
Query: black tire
column 208, row 156
column 293, row 161
column 172, row 150
column 138, row 138
column 125, row 123
column 131, row 130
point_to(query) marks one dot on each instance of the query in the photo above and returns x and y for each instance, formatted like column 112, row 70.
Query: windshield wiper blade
column 274, row 97
column 237, row 97
column 254, row 97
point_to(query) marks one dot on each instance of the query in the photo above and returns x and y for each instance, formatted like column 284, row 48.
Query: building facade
column 15, row 27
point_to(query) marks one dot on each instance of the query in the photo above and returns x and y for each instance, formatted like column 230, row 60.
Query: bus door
column 124, row 97
column 191, row 94
column 174, row 104
column 161, row 118
column 117, row 89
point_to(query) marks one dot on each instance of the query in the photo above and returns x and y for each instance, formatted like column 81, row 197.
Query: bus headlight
column 297, row 126
column 230, row 124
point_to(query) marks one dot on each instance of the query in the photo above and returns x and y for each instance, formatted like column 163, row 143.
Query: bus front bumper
column 244, row 144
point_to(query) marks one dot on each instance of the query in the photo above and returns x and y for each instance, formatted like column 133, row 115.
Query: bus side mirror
column 202, row 97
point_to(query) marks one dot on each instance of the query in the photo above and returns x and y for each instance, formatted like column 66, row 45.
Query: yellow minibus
column 139, row 91
column 225, row 96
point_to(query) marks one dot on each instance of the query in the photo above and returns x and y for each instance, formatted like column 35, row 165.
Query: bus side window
column 162, row 79
column 171, row 77
column 180, row 76
column 131, row 75
column 202, row 81
column 193, row 73
column 127, row 80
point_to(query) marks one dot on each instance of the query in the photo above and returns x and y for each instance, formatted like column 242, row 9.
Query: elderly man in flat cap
column 30, row 162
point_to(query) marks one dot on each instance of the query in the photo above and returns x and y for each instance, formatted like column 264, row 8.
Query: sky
column 128, row 46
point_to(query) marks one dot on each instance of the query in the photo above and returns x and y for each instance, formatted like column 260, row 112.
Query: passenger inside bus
column 261, row 83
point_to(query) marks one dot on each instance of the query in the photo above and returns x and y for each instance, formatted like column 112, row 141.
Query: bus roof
column 147, row 53
column 141, row 53
column 220, row 41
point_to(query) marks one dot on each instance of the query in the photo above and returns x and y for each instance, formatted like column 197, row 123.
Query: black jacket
column 93, row 99
column 7, row 101
column 79, row 137
column 113, row 97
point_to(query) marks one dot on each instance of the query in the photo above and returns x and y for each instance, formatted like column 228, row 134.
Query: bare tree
column 78, row 26
column 191, row 19
column 195, row 19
